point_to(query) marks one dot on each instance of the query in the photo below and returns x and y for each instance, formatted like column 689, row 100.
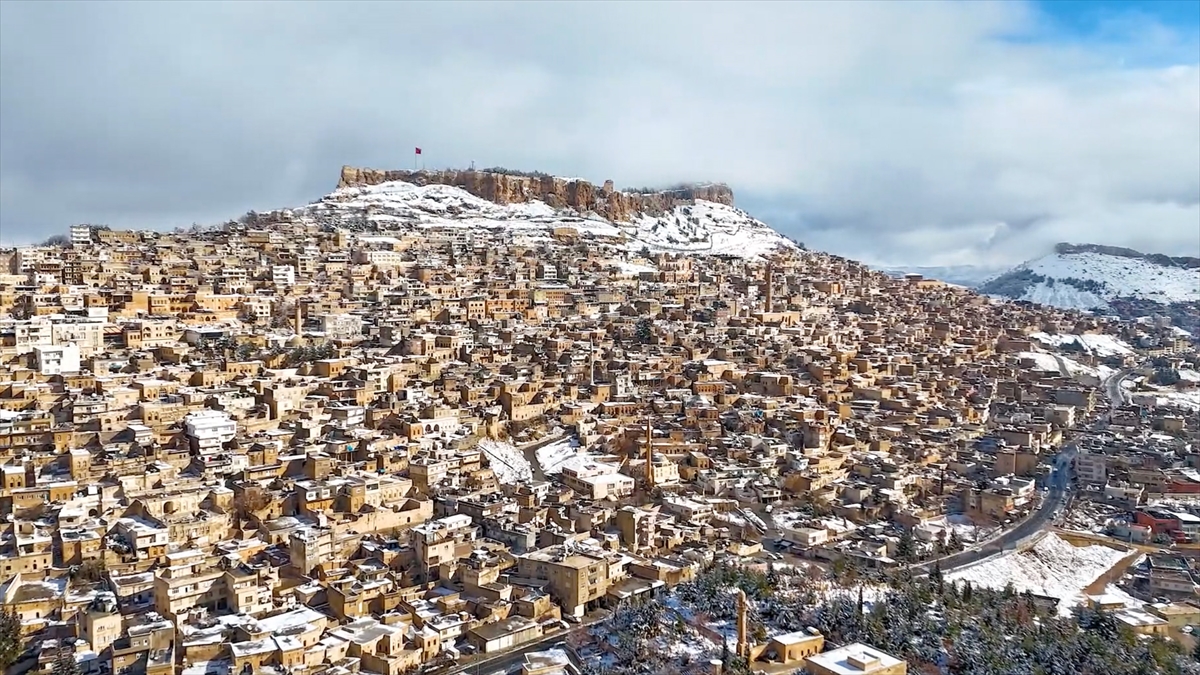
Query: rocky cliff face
column 503, row 188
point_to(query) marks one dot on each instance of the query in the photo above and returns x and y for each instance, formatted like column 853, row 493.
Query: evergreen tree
column 954, row 545
column 644, row 332
column 64, row 662
column 967, row 593
column 10, row 637
column 906, row 550
column 936, row 577
column 860, row 603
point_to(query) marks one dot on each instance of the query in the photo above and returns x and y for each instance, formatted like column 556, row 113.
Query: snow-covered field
column 1053, row 567
column 506, row 460
column 1056, row 364
column 1166, row 397
column 962, row 526
column 1097, row 344
column 634, row 268
column 789, row 519
column 1114, row 594
column 702, row 227
column 705, row 227
column 552, row 457
column 1041, row 361
column 1117, row 277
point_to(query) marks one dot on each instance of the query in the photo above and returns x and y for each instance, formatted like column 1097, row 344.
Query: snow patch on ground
column 1115, row 594
column 701, row 227
column 634, row 268
column 1163, row 397
column 1056, row 364
column 789, row 519
column 1053, row 567
column 551, row 458
column 706, row 228
column 1096, row 344
column 961, row 526
column 1041, row 361
column 1063, row 296
column 507, row 462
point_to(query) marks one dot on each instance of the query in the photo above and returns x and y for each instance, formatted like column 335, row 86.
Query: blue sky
column 1085, row 18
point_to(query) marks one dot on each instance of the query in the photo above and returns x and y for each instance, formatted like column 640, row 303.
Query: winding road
column 1056, row 495
column 1116, row 393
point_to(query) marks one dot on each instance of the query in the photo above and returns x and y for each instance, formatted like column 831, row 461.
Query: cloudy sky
column 905, row 133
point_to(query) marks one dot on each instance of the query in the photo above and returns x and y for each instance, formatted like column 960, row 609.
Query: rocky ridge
column 515, row 188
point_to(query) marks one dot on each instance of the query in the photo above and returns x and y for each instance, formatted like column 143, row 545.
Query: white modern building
column 208, row 430
column 81, row 235
column 87, row 334
column 57, row 359
column 341, row 326
column 283, row 275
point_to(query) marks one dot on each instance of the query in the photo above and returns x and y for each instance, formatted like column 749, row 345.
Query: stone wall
column 580, row 195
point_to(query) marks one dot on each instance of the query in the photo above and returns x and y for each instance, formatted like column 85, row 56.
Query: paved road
column 1055, row 497
column 1116, row 393
column 529, row 450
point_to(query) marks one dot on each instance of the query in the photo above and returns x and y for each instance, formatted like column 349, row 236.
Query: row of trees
column 11, row 646
column 934, row 624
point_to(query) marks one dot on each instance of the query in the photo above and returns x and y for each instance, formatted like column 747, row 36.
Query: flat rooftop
column 854, row 659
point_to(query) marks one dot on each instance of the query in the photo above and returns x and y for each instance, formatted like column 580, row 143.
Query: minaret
column 592, row 361
column 743, row 644
column 770, row 284
column 649, row 454
column 299, row 318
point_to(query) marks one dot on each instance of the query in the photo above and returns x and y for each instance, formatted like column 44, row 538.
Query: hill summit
column 500, row 206
column 1107, row 279
column 506, row 186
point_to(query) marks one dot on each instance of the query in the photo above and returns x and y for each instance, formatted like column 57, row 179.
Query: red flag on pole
column 418, row 151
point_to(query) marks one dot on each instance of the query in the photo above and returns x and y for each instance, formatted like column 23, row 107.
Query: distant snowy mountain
column 1086, row 277
column 969, row 276
column 1107, row 279
column 695, row 227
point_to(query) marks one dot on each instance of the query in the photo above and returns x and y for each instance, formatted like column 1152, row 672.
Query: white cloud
column 899, row 132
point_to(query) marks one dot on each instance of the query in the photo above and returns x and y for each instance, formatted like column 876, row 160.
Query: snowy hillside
column 396, row 207
column 1089, row 280
column 1053, row 567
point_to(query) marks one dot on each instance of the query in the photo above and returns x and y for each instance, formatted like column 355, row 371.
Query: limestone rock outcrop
column 580, row 195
